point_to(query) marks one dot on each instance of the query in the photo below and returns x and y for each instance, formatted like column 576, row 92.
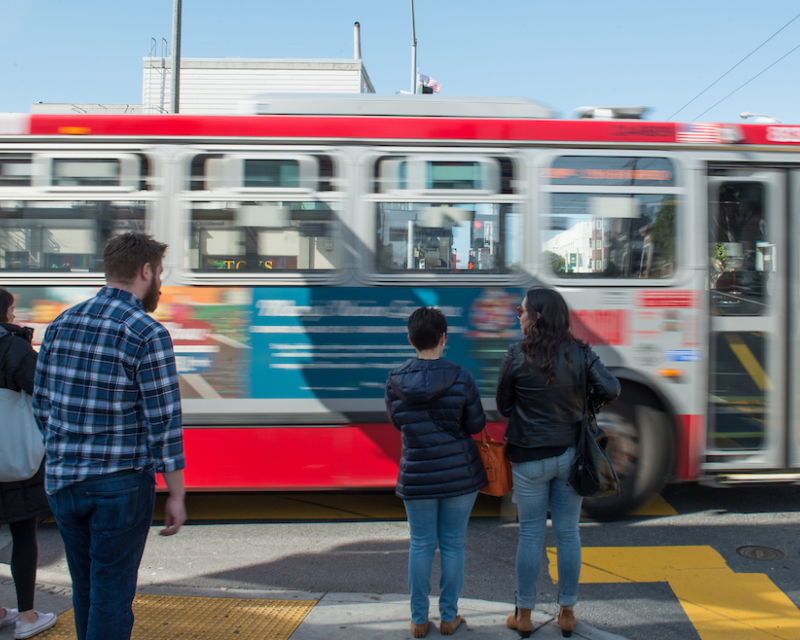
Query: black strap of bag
column 584, row 414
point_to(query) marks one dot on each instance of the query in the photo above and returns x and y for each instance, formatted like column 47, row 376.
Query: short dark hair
column 426, row 327
column 6, row 300
column 126, row 254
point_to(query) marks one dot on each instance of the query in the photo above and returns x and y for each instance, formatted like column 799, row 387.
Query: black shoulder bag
column 592, row 473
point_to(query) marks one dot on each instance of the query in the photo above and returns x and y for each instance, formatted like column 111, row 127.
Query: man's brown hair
column 126, row 254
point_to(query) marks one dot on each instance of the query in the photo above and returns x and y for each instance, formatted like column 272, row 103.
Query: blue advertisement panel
column 316, row 342
column 341, row 342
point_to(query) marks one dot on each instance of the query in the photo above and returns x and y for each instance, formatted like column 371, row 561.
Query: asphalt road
column 371, row 556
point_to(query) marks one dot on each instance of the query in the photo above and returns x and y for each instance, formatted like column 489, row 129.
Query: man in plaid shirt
column 107, row 400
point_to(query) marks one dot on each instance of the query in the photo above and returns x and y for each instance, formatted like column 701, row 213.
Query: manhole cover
column 754, row 552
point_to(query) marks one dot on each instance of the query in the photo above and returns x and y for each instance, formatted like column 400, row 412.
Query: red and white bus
column 302, row 236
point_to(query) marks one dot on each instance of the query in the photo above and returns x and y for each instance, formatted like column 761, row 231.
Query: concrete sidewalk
column 334, row 616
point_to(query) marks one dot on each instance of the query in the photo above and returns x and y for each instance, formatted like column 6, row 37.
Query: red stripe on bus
column 348, row 127
column 390, row 127
column 690, row 447
column 287, row 458
column 668, row 299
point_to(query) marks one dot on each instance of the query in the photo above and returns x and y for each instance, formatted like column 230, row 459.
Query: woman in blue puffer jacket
column 436, row 406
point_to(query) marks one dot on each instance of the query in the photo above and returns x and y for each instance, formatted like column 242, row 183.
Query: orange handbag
column 498, row 467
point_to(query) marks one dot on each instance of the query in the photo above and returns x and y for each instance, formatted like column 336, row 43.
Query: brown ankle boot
column 521, row 621
column 566, row 621
column 447, row 628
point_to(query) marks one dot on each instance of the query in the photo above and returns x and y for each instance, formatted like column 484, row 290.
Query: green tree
column 664, row 231
column 557, row 263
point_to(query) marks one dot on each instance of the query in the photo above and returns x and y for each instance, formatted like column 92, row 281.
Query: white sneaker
column 10, row 617
column 28, row 629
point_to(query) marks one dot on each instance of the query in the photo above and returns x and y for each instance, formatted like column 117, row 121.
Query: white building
column 222, row 85
column 575, row 245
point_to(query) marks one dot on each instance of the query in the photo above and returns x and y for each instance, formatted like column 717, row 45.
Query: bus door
column 747, row 270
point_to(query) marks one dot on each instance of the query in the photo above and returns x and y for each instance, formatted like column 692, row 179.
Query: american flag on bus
column 425, row 81
column 699, row 132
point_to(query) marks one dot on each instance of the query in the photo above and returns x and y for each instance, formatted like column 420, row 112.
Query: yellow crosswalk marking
column 721, row 604
column 656, row 506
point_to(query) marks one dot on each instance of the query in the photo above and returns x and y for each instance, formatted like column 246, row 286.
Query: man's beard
column 150, row 299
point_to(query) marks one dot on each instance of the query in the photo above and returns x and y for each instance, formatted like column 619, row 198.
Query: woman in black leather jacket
column 540, row 390
column 21, row 503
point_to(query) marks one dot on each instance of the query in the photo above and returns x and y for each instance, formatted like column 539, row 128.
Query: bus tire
column 641, row 447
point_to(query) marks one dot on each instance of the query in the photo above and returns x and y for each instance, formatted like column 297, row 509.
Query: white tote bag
column 22, row 447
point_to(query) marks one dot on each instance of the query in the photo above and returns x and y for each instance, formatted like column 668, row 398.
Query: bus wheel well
column 642, row 447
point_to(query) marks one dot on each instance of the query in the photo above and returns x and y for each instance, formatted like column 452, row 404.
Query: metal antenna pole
column 176, row 55
column 413, row 52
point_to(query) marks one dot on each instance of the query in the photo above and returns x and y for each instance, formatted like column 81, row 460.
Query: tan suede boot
column 521, row 621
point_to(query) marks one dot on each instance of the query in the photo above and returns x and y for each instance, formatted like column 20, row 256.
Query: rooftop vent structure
column 611, row 113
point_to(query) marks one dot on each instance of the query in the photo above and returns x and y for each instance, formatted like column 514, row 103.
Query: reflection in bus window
column 741, row 255
column 610, row 235
column 262, row 236
column 15, row 171
column 86, row 172
column 63, row 235
column 271, row 173
column 449, row 238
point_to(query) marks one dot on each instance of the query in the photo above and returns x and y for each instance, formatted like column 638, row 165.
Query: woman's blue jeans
column 104, row 521
column 445, row 520
column 537, row 484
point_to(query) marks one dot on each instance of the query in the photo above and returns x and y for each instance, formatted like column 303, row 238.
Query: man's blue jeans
column 444, row 519
column 537, row 484
column 104, row 522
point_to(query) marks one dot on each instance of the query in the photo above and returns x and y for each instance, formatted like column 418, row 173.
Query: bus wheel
column 641, row 447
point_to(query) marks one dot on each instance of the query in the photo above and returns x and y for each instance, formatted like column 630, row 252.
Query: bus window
column 15, row 171
column 397, row 174
column 264, row 214
column 117, row 172
column 741, row 256
column 610, row 236
column 63, row 235
column 271, row 174
column 740, row 390
column 262, row 236
column 449, row 238
column 79, row 172
column 587, row 232
column 462, row 226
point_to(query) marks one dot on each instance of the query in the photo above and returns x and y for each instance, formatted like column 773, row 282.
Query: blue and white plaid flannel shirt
column 106, row 392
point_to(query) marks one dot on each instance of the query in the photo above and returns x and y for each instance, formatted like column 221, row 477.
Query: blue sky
column 563, row 54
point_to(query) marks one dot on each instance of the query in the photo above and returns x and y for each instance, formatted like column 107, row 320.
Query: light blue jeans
column 537, row 484
column 445, row 520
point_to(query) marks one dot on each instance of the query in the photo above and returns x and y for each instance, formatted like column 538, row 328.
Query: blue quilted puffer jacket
column 436, row 406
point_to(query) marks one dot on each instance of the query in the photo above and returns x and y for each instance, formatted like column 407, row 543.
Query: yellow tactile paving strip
column 189, row 618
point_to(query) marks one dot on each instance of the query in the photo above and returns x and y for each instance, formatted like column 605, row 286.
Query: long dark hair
column 6, row 300
column 549, row 328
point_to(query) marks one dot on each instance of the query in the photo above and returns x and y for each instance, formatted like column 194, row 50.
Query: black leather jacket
column 542, row 416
